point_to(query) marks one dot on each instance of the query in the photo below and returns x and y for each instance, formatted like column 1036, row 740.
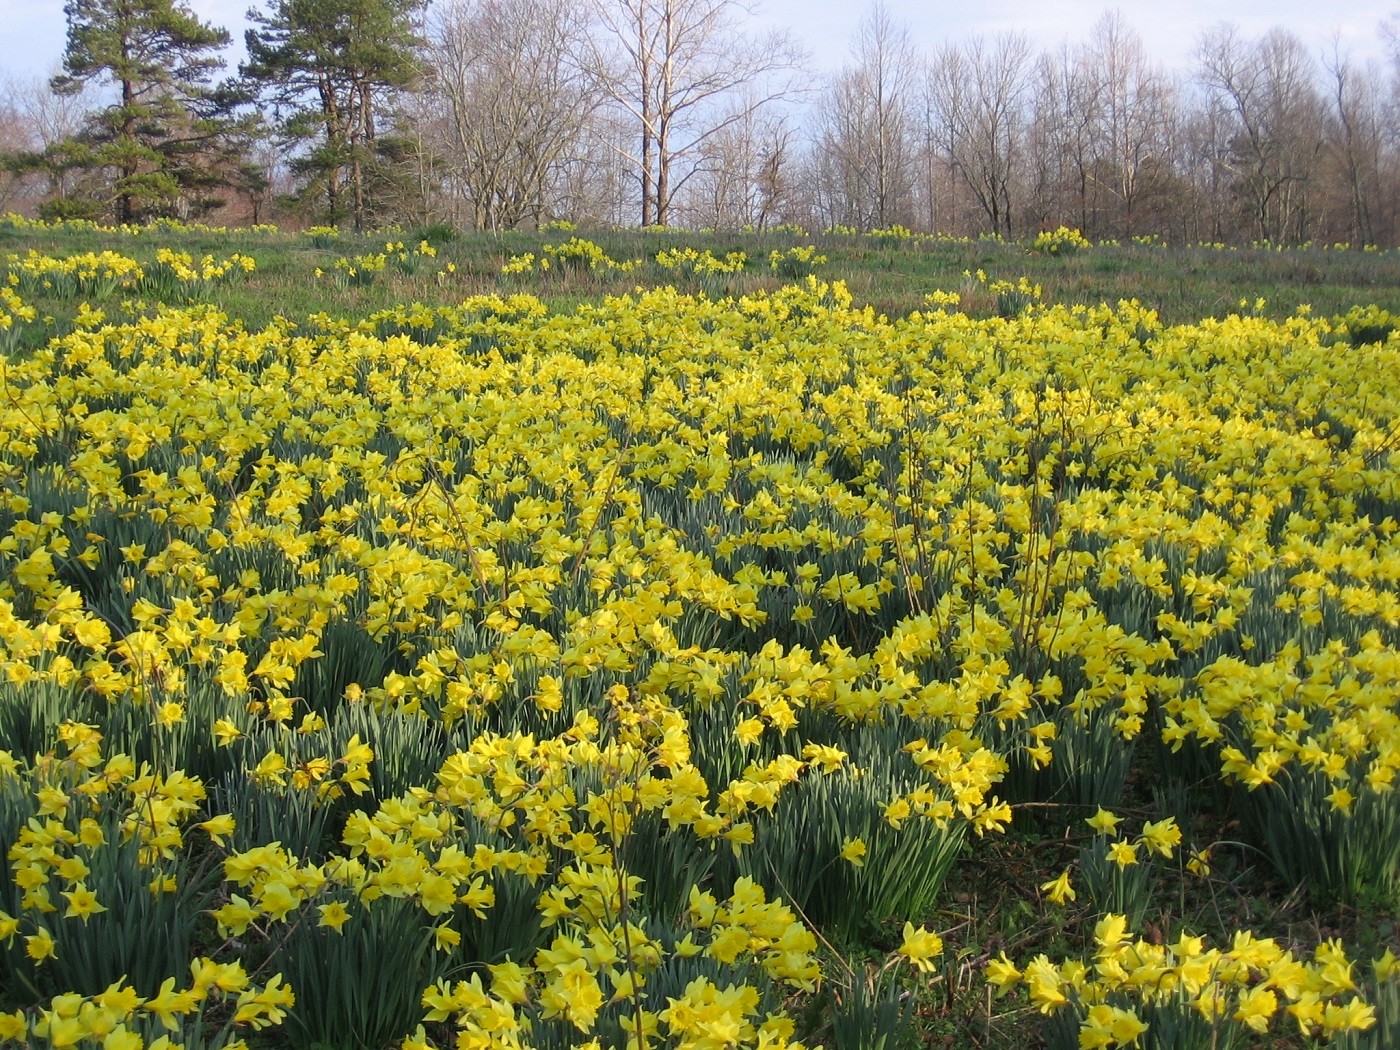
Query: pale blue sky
column 1170, row 30
column 32, row 31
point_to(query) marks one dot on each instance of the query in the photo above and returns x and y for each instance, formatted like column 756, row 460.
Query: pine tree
column 165, row 142
column 325, row 67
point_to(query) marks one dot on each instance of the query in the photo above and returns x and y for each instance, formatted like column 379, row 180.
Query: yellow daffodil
column 920, row 946
column 1059, row 890
column 1104, row 822
column 853, row 851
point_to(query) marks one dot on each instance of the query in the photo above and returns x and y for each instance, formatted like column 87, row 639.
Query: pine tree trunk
column 125, row 211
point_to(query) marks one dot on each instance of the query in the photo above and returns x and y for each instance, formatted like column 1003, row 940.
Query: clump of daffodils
column 1059, row 241
column 797, row 263
column 1254, row 984
column 690, row 262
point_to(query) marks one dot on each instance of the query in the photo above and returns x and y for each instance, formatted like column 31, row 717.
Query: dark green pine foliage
column 168, row 139
column 326, row 68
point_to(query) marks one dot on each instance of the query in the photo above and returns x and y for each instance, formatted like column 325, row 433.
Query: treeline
column 494, row 114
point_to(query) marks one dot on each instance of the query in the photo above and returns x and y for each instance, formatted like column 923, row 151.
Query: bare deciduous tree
column 1355, row 139
column 35, row 121
column 980, row 96
column 1133, row 111
column 865, row 133
column 1268, row 88
column 513, row 101
column 14, row 139
column 1060, row 142
column 684, row 71
column 744, row 177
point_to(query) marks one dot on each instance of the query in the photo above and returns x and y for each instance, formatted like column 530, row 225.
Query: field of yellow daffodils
column 639, row 676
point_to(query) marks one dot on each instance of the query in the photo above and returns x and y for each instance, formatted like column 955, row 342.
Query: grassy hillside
column 890, row 273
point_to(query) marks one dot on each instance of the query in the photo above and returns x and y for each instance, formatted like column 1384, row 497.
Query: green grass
column 890, row 274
